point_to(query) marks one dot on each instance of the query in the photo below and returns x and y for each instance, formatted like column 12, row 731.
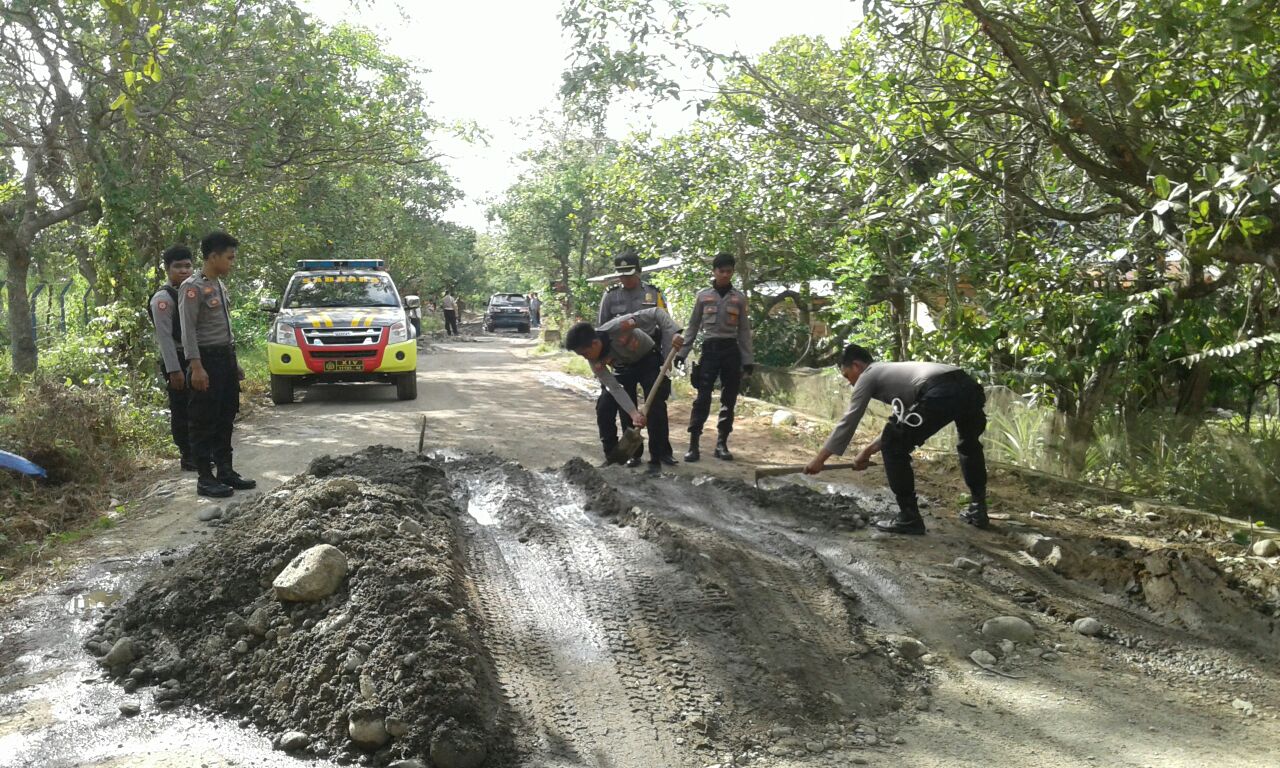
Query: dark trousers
column 955, row 397
column 721, row 359
column 641, row 376
column 179, row 413
column 214, row 410
column 450, row 322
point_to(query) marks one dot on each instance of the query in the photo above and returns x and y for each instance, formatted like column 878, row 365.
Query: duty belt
column 219, row 351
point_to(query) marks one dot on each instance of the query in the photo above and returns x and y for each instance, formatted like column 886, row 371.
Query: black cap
column 627, row 262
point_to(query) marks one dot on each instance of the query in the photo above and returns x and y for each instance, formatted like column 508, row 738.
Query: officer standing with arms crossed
column 629, row 344
column 628, row 296
column 173, row 364
column 720, row 312
column 215, row 374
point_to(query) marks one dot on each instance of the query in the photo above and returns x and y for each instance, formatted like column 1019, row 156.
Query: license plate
column 343, row 366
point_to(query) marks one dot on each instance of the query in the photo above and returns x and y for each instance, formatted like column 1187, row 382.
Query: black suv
column 507, row 310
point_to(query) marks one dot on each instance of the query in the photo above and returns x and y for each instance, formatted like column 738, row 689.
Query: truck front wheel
column 407, row 386
column 281, row 390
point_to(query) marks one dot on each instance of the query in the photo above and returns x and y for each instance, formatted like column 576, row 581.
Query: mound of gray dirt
column 388, row 666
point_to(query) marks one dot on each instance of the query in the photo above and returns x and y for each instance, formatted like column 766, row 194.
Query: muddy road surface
column 604, row 618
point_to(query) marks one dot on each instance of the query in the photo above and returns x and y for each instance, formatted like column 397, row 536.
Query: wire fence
column 55, row 307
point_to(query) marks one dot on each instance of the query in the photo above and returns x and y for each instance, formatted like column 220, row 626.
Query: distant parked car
column 507, row 310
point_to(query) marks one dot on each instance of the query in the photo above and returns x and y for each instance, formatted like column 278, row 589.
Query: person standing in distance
column 628, row 296
column 535, row 310
column 163, row 310
column 450, row 306
column 720, row 313
column 215, row 373
column 925, row 397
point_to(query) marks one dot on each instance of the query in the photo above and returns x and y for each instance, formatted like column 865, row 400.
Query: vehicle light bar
column 341, row 264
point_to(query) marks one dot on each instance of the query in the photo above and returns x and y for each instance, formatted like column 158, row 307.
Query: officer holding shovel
column 626, row 344
column 925, row 398
column 630, row 294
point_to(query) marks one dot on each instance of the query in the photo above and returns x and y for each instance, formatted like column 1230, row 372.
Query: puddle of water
column 88, row 601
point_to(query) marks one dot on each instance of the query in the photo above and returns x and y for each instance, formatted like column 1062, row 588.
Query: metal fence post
column 33, row 301
column 62, row 306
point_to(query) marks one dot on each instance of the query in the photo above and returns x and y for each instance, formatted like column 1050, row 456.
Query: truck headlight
column 398, row 332
column 284, row 335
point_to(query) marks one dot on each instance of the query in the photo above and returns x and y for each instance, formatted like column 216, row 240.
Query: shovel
column 631, row 440
column 791, row 469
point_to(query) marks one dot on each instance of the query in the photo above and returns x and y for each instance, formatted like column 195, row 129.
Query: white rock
column 908, row 648
column 784, row 418
column 1088, row 626
column 1265, row 548
column 130, row 709
column 410, row 528
column 1008, row 628
column 292, row 741
column 123, row 652
column 965, row 564
column 313, row 575
column 1006, row 647
column 209, row 513
column 983, row 658
column 367, row 730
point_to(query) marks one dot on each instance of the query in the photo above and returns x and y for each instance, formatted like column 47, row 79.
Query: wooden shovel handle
column 657, row 383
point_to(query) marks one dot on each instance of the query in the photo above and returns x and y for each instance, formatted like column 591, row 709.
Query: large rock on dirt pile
column 1265, row 548
column 1008, row 628
column 313, row 575
column 393, row 637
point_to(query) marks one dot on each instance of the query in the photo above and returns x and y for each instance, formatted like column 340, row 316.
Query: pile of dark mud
column 387, row 667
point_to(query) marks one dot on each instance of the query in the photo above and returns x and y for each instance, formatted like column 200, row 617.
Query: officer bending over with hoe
column 925, row 398
column 625, row 344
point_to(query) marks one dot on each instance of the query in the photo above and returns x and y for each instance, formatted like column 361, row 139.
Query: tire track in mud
column 577, row 649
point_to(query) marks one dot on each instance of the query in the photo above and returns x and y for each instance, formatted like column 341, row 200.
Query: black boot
column 976, row 514
column 694, row 452
column 208, row 485
column 908, row 520
column 188, row 464
column 232, row 478
column 668, row 459
column 722, row 448
column 637, row 459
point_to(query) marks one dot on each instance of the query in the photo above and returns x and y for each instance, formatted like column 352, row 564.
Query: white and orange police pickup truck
column 341, row 321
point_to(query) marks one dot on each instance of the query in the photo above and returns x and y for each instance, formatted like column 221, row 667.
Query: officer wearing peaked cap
column 628, row 296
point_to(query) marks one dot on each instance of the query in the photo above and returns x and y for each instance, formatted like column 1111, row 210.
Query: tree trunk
column 22, row 341
column 1081, row 419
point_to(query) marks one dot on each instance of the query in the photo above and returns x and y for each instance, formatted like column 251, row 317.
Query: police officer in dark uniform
column 720, row 313
column 215, row 374
column 628, row 296
column 626, row 344
column 173, row 364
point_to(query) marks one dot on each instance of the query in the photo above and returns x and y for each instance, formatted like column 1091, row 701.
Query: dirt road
column 692, row 620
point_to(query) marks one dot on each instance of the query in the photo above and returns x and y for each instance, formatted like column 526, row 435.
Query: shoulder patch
column 192, row 293
column 162, row 305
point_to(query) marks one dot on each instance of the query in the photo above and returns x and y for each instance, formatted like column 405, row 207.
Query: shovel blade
column 627, row 446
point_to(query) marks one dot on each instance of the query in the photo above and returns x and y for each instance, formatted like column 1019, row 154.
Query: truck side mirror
column 412, row 302
column 267, row 304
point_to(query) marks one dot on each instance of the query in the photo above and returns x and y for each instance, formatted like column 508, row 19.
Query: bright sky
column 497, row 63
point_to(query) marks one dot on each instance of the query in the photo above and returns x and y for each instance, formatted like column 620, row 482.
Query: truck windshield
column 342, row 291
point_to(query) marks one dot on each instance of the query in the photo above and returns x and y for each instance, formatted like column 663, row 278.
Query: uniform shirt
column 630, row 339
column 163, row 312
column 619, row 301
column 206, row 320
column 449, row 304
column 885, row 382
column 721, row 316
